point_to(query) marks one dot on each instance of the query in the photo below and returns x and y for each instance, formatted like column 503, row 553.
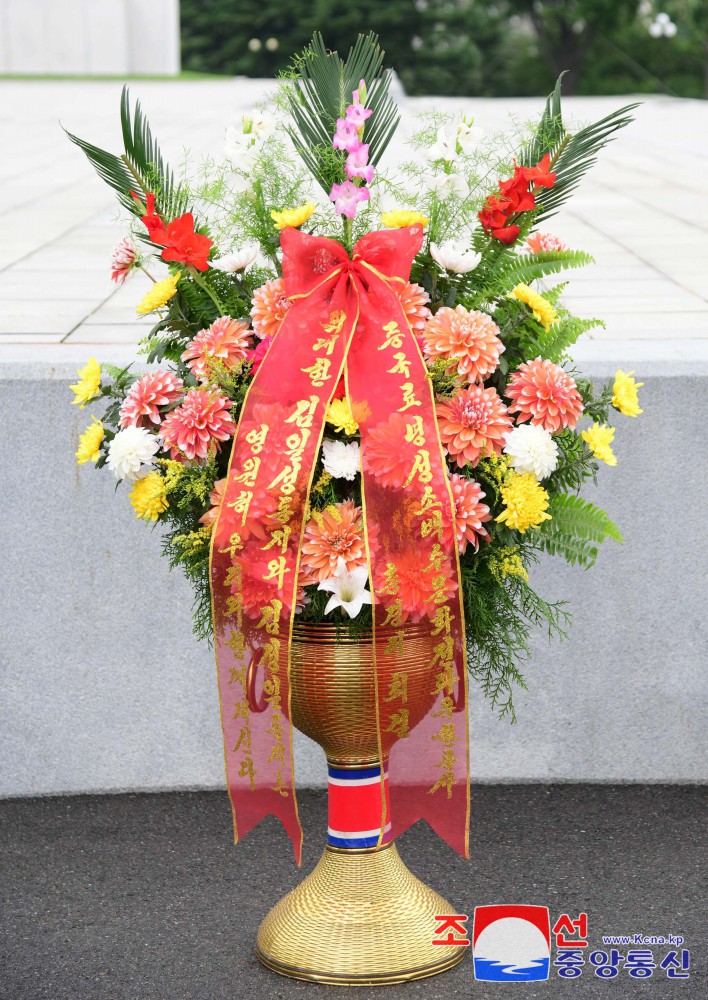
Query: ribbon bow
column 345, row 318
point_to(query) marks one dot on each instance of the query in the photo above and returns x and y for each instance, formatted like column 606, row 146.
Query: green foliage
column 500, row 614
column 318, row 92
column 139, row 168
column 576, row 530
column 529, row 267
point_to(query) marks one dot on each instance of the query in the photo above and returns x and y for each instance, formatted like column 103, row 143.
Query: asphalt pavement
column 144, row 897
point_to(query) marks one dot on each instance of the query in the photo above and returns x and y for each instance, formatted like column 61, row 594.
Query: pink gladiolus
column 347, row 135
column 356, row 112
column 347, row 196
column 358, row 165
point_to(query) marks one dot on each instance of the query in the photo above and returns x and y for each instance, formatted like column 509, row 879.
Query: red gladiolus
column 515, row 197
column 179, row 239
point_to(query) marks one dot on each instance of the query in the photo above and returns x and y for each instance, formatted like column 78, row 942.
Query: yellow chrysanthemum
column 160, row 293
column 89, row 384
column 625, row 397
column 148, row 497
column 89, row 449
column 541, row 308
column 525, row 502
column 599, row 438
column 339, row 415
column 401, row 219
column 292, row 216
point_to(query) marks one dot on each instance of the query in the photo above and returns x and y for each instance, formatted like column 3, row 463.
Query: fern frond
column 530, row 267
column 554, row 343
column 576, row 530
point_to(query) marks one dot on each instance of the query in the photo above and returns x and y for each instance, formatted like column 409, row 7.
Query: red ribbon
column 346, row 318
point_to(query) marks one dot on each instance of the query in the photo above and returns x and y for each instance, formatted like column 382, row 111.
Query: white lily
column 348, row 589
column 445, row 185
column 236, row 261
column 468, row 136
column 454, row 257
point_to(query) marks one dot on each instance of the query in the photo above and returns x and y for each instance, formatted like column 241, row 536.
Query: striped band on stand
column 355, row 807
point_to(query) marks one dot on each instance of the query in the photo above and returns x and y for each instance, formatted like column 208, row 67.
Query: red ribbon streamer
column 345, row 318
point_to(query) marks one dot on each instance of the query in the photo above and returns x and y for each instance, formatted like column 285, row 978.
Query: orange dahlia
column 472, row 424
column 544, row 394
column 387, row 451
column 194, row 429
column 469, row 339
column 470, row 513
column 414, row 300
column 216, row 498
column 336, row 531
column 140, row 406
column 415, row 579
column 268, row 307
column 227, row 341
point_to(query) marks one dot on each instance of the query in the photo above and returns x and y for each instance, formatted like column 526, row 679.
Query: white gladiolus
column 444, row 147
column 348, row 589
column 446, row 185
column 531, row 449
column 468, row 136
column 341, row 460
column 129, row 450
column 454, row 257
column 236, row 261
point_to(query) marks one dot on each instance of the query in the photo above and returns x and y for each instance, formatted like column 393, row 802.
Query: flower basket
column 358, row 429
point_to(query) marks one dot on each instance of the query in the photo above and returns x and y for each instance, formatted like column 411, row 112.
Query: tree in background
column 566, row 30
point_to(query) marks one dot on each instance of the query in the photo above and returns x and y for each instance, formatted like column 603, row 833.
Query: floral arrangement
column 522, row 430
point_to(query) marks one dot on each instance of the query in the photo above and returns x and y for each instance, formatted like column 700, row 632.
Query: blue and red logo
column 511, row 943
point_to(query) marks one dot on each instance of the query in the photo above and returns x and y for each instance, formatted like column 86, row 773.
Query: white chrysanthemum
column 531, row 449
column 339, row 459
column 236, row 261
column 129, row 450
column 454, row 257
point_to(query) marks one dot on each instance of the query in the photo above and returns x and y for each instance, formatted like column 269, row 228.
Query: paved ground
column 643, row 212
column 145, row 898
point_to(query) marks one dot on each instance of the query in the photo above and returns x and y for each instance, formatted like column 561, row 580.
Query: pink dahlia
column 257, row 356
column 545, row 243
column 124, row 259
column 336, row 531
column 140, row 406
column 544, row 394
column 226, row 340
column 470, row 513
column 414, row 300
column 268, row 308
column 472, row 424
column 194, row 429
column 468, row 339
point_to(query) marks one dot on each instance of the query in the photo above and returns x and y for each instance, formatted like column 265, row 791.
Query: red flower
column 541, row 174
column 515, row 197
column 179, row 239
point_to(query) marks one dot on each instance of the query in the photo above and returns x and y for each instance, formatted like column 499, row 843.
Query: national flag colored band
column 355, row 814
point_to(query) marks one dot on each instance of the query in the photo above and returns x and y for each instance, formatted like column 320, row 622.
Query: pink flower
column 545, row 394
column 256, row 357
column 358, row 165
column 356, row 112
column 269, row 306
column 470, row 513
column 124, row 259
column 545, row 243
column 194, row 429
column 414, row 301
column 347, row 135
column 472, row 424
column 468, row 340
column 226, row 340
column 140, row 406
column 347, row 196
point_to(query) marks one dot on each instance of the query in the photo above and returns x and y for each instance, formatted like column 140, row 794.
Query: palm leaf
column 139, row 168
column 320, row 94
column 571, row 155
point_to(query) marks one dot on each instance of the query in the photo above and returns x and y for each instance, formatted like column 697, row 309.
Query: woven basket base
column 360, row 919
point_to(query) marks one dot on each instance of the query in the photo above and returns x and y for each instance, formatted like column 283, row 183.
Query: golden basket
column 361, row 917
